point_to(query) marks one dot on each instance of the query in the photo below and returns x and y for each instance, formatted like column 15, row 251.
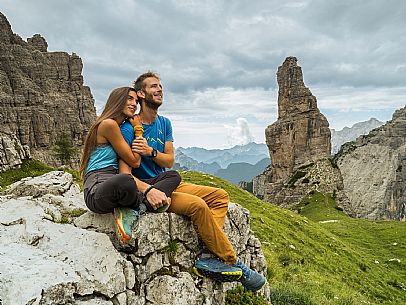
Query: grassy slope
column 344, row 262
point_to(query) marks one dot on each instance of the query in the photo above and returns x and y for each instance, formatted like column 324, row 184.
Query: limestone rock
column 55, row 183
column 38, row 42
column 12, row 153
column 42, row 95
column 299, row 137
column 373, row 168
column 45, row 261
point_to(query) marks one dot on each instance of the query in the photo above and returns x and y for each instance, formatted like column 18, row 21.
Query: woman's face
column 131, row 105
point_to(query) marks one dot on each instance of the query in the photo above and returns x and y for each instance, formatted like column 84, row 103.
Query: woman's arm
column 110, row 132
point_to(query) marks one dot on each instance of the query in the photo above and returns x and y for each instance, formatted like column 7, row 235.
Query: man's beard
column 150, row 103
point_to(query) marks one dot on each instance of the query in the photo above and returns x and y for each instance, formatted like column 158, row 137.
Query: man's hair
column 139, row 82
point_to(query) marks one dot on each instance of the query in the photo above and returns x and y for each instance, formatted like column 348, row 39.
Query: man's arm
column 155, row 197
column 163, row 159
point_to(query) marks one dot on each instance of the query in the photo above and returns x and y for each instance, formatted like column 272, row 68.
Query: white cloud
column 218, row 59
column 240, row 134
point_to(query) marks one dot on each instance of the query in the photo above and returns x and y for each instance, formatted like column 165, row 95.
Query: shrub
column 64, row 149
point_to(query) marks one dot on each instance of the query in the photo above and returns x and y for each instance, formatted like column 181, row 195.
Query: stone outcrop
column 300, row 136
column 12, row 153
column 42, row 95
column 373, row 168
column 49, row 255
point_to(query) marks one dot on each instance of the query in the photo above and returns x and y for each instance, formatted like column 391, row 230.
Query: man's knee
column 198, row 206
column 174, row 175
column 222, row 196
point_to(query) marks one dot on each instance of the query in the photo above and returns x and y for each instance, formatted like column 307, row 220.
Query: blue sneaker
column 217, row 270
column 127, row 221
column 251, row 280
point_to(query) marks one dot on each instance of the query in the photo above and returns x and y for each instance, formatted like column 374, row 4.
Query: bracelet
column 148, row 189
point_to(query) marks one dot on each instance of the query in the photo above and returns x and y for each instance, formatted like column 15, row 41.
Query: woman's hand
column 157, row 198
column 135, row 120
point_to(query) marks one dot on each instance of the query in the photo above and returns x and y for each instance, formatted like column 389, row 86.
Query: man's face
column 153, row 94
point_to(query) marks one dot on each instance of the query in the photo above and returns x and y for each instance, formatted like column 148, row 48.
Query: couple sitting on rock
column 123, row 165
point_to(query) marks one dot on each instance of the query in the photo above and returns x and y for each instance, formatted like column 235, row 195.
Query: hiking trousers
column 207, row 208
column 106, row 189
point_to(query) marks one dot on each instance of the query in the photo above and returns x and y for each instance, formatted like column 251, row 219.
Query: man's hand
column 156, row 198
column 140, row 146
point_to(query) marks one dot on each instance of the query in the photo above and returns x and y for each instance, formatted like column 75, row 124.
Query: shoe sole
column 122, row 236
column 257, row 289
column 162, row 209
column 224, row 276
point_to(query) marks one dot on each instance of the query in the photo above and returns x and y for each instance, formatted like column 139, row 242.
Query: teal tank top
column 101, row 157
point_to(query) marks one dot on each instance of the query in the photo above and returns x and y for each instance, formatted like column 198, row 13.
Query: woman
column 105, row 189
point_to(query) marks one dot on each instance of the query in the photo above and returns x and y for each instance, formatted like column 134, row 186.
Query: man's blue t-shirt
column 157, row 133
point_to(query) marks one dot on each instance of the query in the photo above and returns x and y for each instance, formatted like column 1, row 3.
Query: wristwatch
column 154, row 153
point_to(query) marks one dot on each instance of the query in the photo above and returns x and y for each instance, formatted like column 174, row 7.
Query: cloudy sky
column 218, row 59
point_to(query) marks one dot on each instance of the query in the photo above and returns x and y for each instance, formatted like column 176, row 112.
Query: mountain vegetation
column 315, row 254
column 319, row 255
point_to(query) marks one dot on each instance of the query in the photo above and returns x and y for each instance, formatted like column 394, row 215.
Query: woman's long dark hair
column 112, row 110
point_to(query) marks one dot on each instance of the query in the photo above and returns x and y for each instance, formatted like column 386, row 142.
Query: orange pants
column 207, row 207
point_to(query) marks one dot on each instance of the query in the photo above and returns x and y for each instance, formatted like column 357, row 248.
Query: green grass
column 32, row 168
column 345, row 262
column 29, row 168
column 310, row 261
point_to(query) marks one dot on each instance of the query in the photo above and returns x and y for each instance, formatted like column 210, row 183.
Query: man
column 206, row 206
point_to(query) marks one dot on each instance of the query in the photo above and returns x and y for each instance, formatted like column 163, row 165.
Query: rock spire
column 301, row 134
column 299, row 137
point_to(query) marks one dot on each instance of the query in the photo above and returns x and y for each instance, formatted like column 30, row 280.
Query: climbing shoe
column 126, row 220
column 217, row 270
column 250, row 279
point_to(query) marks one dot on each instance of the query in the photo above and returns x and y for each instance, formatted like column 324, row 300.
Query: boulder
column 50, row 255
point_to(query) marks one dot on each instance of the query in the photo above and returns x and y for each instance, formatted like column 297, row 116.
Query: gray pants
column 106, row 189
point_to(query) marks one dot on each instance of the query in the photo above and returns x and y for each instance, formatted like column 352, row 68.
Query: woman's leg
column 119, row 190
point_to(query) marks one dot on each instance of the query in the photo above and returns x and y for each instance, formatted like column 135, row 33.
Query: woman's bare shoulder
column 108, row 122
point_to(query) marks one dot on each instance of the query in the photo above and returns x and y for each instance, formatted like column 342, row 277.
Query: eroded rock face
column 44, row 260
column 299, row 137
column 42, row 95
column 12, row 153
column 374, row 171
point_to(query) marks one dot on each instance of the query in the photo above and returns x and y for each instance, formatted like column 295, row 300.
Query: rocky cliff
column 49, row 255
column 42, row 95
column 373, row 168
column 300, row 136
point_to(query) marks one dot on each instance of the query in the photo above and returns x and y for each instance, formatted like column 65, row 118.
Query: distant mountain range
column 244, row 162
column 250, row 153
column 239, row 163
column 348, row 134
